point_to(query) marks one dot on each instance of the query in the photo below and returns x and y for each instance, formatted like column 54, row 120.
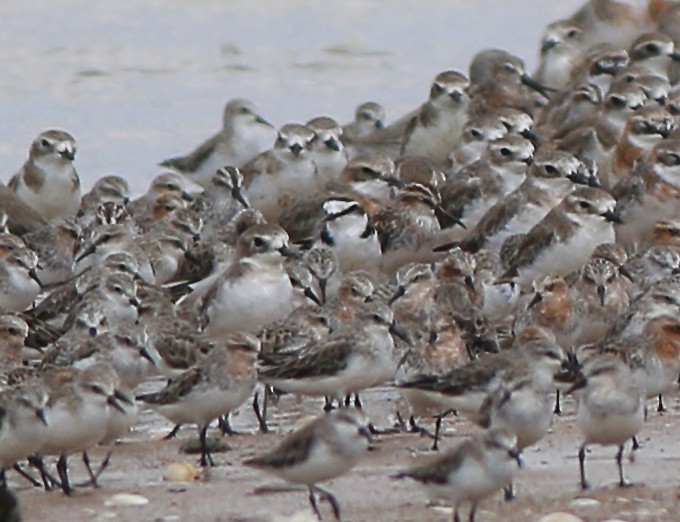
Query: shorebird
column 236, row 143
column 48, row 182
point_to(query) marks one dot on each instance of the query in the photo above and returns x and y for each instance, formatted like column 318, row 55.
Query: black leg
column 261, row 415
column 582, row 464
column 312, row 501
column 225, row 426
column 401, row 423
column 348, row 400
column 331, row 500
column 661, row 408
column 636, row 443
column 173, row 433
column 206, row 458
column 328, row 406
column 93, row 477
column 48, row 480
column 558, row 409
column 509, row 492
column 62, row 470
column 26, row 475
column 473, row 510
column 357, row 401
column 456, row 515
column 619, row 463
column 437, row 429
column 3, row 479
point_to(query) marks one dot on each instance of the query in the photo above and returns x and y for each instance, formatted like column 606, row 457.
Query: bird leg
column 661, row 408
column 636, row 443
column 558, row 409
column 206, row 458
column 438, row 427
column 225, row 426
column 261, row 414
column 93, row 477
column 473, row 510
column 619, row 463
column 24, row 474
column 456, row 515
column 312, row 501
column 509, row 492
column 582, row 465
column 62, row 470
column 173, row 433
column 331, row 500
column 48, row 480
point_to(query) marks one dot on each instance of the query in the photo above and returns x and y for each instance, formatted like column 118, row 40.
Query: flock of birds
column 513, row 236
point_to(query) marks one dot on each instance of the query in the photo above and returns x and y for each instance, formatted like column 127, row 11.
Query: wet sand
column 548, row 482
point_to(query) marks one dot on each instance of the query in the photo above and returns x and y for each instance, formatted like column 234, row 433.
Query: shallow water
column 137, row 81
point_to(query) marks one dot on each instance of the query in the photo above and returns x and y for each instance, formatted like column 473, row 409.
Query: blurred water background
column 136, row 81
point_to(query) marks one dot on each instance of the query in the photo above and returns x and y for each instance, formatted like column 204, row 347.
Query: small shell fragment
column 125, row 499
column 560, row 517
column 584, row 502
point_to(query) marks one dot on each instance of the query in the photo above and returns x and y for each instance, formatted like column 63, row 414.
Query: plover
column 368, row 117
column 437, row 127
column 564, row 239
column 283, row 176
column 255, row 289
column 476, row 135
column 48, row 182
column 561, row 47
column 327, row 149
column 498, row 79
column 469, row 193
column 236, row 143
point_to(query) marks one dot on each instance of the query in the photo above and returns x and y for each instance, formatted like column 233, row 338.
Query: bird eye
column 44, row 143
column 572, row 33
column 669, row 159
column 617, row 101
column 97, row 389
column 118, row 289
column 244, row 110
column 506, row 152
column 652, row 48
column 550, row 169
column 475, row 134
column 258, row 242
column 13, row 331
column 583, row 204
